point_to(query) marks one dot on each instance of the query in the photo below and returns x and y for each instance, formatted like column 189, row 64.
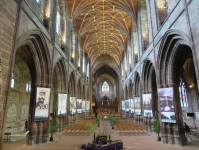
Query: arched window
column 105, row 87
column 28, row 87
column 12, row 81
column 183, row 94
column 58, row 23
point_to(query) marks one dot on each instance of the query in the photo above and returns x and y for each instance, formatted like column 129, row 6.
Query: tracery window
column 183, row 94
column 105, row 87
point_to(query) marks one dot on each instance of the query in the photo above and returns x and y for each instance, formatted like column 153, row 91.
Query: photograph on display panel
column 83, row 106
column 147, row 105
column 166, row 105
column 62, row 102
column 87, row 105
column 123, row 105
column 137, row 106
column 132, row 106
column 72, row 105
column 127, row 105
column 42, row 104
column 79, row 106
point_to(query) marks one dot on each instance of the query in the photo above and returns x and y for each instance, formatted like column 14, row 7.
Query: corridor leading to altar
column 70, row 142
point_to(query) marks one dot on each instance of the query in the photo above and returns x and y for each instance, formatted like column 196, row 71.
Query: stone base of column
column 174, row 140
column 30, row 141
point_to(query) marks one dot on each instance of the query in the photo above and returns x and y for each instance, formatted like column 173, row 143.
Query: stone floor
column 135, row 142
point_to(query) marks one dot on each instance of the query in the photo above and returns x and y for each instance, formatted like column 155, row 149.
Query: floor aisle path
column 137, row 142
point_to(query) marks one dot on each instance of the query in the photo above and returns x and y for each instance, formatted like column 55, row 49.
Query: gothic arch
column 79, row 90
column 172, row 41
column 137, row 85
column 37, row 52
column 72, row 85
column 33, row 49
column 130, row 89
column 60, row 69
column 148, row 76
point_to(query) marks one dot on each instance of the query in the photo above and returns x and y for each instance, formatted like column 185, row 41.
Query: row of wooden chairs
column 124, row 126
column 79, row 127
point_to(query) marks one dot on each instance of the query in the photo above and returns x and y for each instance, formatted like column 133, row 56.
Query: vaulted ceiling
column 104, row 26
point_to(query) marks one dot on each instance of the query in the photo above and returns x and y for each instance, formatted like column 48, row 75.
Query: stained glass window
column 105, row 87
column 183, row 94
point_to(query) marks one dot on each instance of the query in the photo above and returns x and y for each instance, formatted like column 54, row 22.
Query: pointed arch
column 171, row 43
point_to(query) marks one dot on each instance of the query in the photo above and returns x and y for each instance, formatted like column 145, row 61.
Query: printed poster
column 42, row 104
column 62, row 102
column 166, row 105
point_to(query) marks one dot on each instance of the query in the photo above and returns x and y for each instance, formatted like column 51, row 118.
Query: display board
column 72, row 105
column 79, row 106
column 137, row 106
column 62, row 102
column 123, row 105
column 42, row 104
column 83, row 106
column 166, row 105
column 127, row 105
column 87, row 105
column 147, row 105
column 132, row 105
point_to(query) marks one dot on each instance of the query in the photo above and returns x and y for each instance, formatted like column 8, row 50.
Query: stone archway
column 59, row 86
column 130, row 93
column 150, row 87
column 79, row 97
column 71, row 93
column 175, row 60
column 137, row 98
column 31, row 47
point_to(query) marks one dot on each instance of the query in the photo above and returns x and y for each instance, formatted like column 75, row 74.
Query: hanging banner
column 166, row 105
column 123, row 105
column 62, row 102
column 137, row 106
column 79, row 106
column 127, row 105
column 72, row 105
column 147, row 105
column 83, row 106
column 87, row 105
column 132, row 106
column 42, row 104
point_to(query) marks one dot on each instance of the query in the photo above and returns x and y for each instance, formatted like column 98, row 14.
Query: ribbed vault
column 104, row 26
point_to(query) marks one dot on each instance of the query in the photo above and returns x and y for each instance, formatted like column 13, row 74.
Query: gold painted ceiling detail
column 104, row 26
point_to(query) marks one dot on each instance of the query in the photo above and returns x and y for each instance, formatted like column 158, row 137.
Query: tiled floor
column 137, row 142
